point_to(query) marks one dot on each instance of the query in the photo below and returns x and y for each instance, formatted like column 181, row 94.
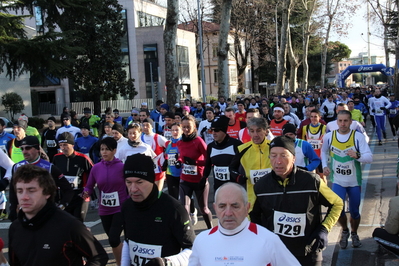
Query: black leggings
column 186, row 191
column 78, row 207
column 113, row 226
column 173, row 183
column 393, row 128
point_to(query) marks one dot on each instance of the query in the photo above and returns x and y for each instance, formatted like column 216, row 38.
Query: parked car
column 8, row 123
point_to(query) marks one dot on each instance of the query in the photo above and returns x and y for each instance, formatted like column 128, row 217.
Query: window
column 233, row 75
column 215, row 49
column 125, row 45
column 215, row 75
column 147, row 20
column 150, row 66
column 39, row 19
column 183, row 63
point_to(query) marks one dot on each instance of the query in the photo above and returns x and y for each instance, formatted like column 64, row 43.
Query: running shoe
column 3, row 216
column 380, row 143
column 194, row 217
column 344, row 239
column 355, row 240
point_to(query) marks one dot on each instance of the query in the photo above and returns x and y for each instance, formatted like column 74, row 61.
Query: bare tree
column 223, row 69
column 282, row 54
column 381, row 9
column 294, row 64
column 169, row 38
column 309, row 7
column 334, row 14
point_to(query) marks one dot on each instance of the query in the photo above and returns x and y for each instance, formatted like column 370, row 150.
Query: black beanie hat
column 118, row 127
column 284, row 142
column 31, row 141
column 141, row 166
column 66, row 137
column 169, row 115
column 289, row 128
column 221, row 122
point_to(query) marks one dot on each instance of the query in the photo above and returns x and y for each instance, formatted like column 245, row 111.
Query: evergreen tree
column 79, row 40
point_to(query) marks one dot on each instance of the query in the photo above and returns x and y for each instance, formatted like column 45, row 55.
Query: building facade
column 142, row 47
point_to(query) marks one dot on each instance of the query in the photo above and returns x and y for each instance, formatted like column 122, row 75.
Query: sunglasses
column 215, row 130
column 66, row 119
column 27, row 148
column 134, row 114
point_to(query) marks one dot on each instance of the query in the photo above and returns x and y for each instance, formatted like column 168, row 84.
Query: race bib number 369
column 289, row 224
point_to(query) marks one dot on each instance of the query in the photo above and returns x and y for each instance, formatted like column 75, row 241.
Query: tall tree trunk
column 282, row 55
column 223, row 68
column 310, row 7
column 294, row 64
column 169, row 38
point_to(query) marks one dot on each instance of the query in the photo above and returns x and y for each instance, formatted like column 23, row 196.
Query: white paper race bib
column 254, row 175
column 171, row 159
column 222, row 173
column 330, row 114
column 140, row 254
column 110, row 199
column 289, row 224
column 51, row 143
column 189, row 169
column 392, row 111
column 379, row 111
column 316, row 143
column 344, row 169
column 73, row 180
column 167, row 135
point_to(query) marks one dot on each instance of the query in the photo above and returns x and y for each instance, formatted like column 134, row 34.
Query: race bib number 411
column 289, row 224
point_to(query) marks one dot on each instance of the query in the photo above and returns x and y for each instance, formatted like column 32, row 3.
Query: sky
column 358, row 42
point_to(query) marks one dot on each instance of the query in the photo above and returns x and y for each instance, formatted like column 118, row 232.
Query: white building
column 143, row 47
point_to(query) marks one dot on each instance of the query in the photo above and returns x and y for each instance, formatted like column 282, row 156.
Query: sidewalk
column 379, row 185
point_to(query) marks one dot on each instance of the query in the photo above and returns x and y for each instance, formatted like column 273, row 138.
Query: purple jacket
column 111, row 183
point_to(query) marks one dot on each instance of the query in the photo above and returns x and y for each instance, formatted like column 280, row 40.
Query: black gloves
column 382, row 108
column 177, row 162
column 165, row 165
column 318, row 240
column 373, row 110
column 189, row 161
column 156, row 262
column 238, row 178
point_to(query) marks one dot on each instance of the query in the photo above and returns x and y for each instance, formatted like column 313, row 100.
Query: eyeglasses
column 215, row 130
column 27, row 148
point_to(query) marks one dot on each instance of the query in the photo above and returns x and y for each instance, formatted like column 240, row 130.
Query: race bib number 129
column 289, row 224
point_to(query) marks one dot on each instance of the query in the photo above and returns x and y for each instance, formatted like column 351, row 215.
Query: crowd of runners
column 274, row 162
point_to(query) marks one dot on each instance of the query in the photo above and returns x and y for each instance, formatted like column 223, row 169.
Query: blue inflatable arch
column 388, row 71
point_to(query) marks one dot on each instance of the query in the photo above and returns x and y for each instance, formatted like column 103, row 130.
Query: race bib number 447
column 110, row 199
column 289, row 224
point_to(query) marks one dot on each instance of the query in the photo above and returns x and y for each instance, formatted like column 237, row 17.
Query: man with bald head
column 236, row 238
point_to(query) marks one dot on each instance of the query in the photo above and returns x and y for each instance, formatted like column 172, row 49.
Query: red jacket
column 196, row 151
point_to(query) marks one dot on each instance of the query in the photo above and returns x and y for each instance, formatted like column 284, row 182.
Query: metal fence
column 121, row 105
